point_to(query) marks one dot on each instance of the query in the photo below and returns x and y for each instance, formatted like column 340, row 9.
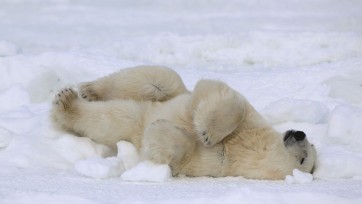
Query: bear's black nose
column 299, row 135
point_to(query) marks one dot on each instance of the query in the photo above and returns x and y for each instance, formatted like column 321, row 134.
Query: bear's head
column 299, row 147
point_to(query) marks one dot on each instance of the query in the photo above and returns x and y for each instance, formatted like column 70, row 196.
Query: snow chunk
column 13, row 97
column 128, row 153
column 148, row 171
column 295, row 110
column 299, row 177
column 344, row 126
column 8, row 49
column 72, row 148
column 97, row 167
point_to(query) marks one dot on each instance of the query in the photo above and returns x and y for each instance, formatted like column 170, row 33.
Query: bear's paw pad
column 65, row 97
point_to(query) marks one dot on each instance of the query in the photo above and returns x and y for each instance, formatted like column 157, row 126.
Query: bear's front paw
column 65, row 97
column 206, row 138
column 87, row 92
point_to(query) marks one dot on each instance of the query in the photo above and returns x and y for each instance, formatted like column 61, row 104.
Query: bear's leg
column 65, row 108
column 142, row 83
column 218, row 110
column 105, row 122
column 166, row 143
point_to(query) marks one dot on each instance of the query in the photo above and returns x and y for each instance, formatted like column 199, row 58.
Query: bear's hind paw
column 65, row 97
column 87, row 92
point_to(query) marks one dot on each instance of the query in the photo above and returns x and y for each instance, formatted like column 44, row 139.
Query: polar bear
column 211, row 131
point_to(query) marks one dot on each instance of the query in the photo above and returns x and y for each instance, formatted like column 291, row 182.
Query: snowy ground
column 298, row 62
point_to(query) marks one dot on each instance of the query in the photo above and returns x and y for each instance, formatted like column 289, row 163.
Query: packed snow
column 298, row 62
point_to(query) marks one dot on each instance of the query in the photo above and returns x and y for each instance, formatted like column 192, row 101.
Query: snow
column 127, row 165
column 299, row 177
column 295, row 110
column 127, row 158
column 338, row 162
column 148, row 171
column 97, row 167
column 128, row 153
column 350, row 81
column 13, row 97
column 344, row 126
column 298, row 62
column 8, row 49
column 45, row 198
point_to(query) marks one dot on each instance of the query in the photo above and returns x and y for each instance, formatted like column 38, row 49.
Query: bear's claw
column 205, row 139
column 88, row 93
column 65, row 98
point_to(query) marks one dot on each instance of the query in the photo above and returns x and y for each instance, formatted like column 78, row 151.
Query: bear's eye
column 301, row 161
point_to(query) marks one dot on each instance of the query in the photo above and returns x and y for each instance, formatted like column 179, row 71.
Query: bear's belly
column 174, row 110
column 203, row 161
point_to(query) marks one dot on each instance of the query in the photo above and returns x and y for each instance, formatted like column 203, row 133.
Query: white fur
column 213, row 131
